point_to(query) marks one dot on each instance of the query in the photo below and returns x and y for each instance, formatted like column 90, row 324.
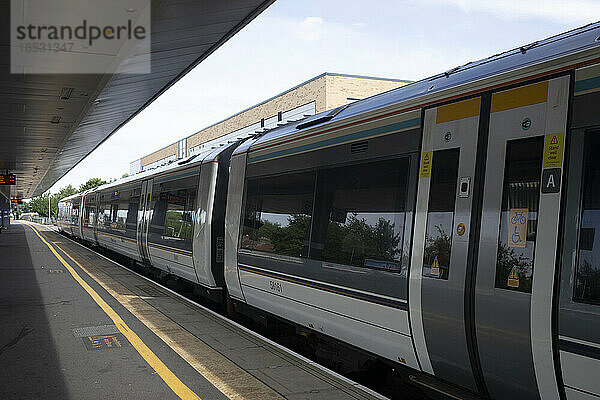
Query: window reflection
column 587, row 277
column 440, row 213
column 358, row 217
column 179, row 221
column 75, row 214
column 518, row 219
column 278, row 214
column 89, row 215
column 172, row 212
column 364, row 208
column 117, row 212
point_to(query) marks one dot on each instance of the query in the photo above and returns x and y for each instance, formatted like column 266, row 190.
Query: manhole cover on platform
column 95, row 330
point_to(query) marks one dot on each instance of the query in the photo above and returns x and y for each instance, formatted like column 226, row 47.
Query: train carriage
column 170, row 218
column 447, row 226
column 471, row 162
column 69, row 211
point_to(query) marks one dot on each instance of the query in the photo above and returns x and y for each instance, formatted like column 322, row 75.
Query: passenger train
column 447, row 227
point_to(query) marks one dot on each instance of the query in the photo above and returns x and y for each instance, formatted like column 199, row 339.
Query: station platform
column 75, row 325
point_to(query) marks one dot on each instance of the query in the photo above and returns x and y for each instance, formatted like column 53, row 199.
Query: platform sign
column 551, row 180
column 517, row 227
column 8, row 179
column 426, row 160
column 553, row 150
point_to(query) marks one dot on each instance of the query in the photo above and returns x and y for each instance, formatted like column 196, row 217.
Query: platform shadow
column 29, row 362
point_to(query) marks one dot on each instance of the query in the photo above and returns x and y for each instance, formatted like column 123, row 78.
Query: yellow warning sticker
column 513, row 278
column 517, row 227
column 553, row 150
column 435, row 267
column 426, row 160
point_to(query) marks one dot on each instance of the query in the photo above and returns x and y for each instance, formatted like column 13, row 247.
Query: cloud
column 310, row 29
column 359, row 24
column 560, row 11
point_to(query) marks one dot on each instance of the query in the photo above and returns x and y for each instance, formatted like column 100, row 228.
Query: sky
column 295, row 40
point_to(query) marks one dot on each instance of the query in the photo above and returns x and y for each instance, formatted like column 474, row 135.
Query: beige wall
column 311, row 91
column 327, row 91
column 339, row 88
column 160, row 154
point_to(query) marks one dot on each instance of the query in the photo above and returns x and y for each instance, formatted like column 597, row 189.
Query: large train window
column 131, row 216
column 89, row 215
column 103, row 215
column 277, row 216
column 587, row 272
column 75, row 213
column 179, row 215
column 440, row 213
column 360, row 215
column 518, row 219
column 172, row 220
column 124, row 212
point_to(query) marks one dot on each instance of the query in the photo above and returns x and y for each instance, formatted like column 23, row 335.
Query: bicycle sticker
column 517, row 227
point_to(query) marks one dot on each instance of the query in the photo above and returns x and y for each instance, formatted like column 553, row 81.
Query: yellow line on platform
column 178, row 387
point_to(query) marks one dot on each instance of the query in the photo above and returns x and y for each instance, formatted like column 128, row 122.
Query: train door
column 142, row 219
column 89, row 219
column 96, row 199
column 80, row 216
column 483, row 264
column 441, row 241
column 517, row 243
column 579, row 304
column 579, row 300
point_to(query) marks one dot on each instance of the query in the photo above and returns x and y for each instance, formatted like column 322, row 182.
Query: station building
column 321, row 93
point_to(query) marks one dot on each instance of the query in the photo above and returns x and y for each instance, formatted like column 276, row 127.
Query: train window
column 172, row 221
column 75, row 214
column 360, row 215
column 131, row 216
column 179, row 214
column 518, row 219
column 440, row 213
column 90, row 213
column 115, row 219
column 103, row 216
column 278, row 212
column 587, row 273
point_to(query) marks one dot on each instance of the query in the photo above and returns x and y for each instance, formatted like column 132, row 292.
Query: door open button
column 464, row 186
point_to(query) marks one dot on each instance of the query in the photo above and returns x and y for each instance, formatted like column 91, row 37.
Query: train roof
column 576, row 41
column 188, row 162
column 571, row 42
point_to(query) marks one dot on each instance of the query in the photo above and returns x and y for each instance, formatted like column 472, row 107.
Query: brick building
column 321, row 93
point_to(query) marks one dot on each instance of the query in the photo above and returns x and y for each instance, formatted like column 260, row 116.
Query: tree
column 39, row 205
column 91, row 183
column 356, row 241
column 65, row 192
column 125, row 175
column 438, row 245
column 507, row 259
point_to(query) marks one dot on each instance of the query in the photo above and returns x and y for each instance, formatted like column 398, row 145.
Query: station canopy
column 51, row 120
